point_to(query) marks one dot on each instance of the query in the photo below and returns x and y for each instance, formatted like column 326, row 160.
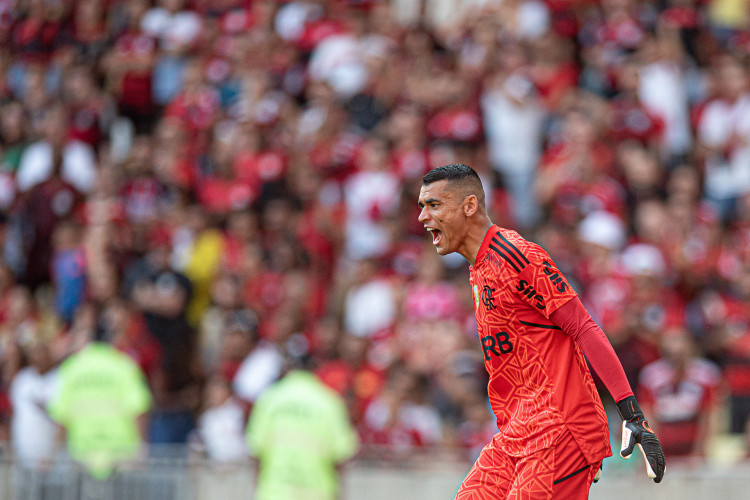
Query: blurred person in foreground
column 34, row 436
column 553, row 432
column 100, row 400
column 300, row 433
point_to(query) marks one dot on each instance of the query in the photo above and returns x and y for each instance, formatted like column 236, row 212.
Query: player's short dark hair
column 452, row 172
column 457, row 173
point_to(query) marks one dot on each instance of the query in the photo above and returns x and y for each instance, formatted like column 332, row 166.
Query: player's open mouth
column 437, row 235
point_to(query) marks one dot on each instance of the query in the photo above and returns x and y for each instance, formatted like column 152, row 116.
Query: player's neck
column 474, row 238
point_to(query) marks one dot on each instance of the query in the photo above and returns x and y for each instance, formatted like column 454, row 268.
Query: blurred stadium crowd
column 216, row 185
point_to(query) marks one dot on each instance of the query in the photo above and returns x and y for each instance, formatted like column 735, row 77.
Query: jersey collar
column 484, row 247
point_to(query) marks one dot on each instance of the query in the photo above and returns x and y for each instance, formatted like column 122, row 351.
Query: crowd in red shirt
column 220, row 184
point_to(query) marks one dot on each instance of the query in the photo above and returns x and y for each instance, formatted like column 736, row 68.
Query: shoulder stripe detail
column 513, row 247
column 507, row 259
column 508, row 251
column 539, row 325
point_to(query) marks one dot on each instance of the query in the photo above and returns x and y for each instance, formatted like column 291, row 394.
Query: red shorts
column 558, row 472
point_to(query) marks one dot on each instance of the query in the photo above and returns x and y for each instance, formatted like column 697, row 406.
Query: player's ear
column 471, row 205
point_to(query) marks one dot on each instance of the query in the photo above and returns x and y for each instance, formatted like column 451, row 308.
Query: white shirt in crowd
column 32, row 433
column 726, row 127
column 173, row 30
column 663, row 90
column 369, row 308
column 258, row 371
column 513, row 122
column 419, row 418
column 369, row 196
column 78, row 165
column 222, row 431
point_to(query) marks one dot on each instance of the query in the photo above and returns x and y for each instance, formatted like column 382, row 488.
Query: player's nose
column 423, row 216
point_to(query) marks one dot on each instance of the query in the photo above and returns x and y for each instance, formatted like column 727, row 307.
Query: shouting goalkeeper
column 552, row 429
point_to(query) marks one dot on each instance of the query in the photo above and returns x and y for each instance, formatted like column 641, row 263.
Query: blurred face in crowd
column 445, row 210
column 225, row 292
column 66, row 236
column 406, row 122
column 684, row 184
column 353, row 349
column 237, row 343
column 78, row 84
column 172, row 5
column 374, row 155
column 115, row 320
column 12, row 122
column 732, row 79
column 159, row 255
column 627, row 78
column 676, row 346
column 40, row 357
column 641, row 169
column 56, row 126
column 20, row 304
column 135, row 11
column 88, row 11
column 430, row 269
column 217, row 392
column 579, row 129
column 651, row 221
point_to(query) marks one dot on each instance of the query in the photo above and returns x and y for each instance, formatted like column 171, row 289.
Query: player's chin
column 442, row 250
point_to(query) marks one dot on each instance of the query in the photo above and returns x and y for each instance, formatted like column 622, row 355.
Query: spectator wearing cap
column 648, row 305
column 601, row 238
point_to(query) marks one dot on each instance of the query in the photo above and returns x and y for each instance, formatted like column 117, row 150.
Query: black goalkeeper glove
column 637, row 432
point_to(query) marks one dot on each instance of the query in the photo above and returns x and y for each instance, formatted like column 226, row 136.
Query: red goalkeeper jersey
column 539, row 382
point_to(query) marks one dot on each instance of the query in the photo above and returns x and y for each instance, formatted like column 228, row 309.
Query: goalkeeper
column 552, row 429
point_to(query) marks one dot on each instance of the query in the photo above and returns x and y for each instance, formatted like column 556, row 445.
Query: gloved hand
column 637, row 432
